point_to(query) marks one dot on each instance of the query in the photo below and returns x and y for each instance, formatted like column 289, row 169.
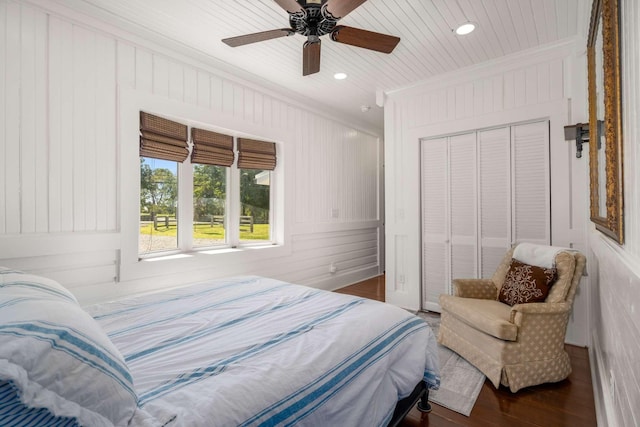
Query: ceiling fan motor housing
column 313, row 19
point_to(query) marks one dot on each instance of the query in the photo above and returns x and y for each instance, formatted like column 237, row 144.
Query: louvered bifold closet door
column 463, row 206
column 434, row 200
column 481, row 193
column 494, row 178
column 531, row 192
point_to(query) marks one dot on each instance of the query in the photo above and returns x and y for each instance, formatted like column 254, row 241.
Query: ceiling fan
column 314, row 19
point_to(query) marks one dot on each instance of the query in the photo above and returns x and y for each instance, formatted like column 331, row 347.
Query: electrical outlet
column 332, row 268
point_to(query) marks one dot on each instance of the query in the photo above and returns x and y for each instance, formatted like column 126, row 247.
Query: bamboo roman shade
column 211, row 148
column 161, row 138
column 253, row 154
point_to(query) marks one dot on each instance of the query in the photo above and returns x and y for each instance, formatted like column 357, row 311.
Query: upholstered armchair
column 514, row 343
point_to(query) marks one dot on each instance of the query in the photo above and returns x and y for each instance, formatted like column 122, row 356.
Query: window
column 209, row 205
column 158, row 205
column 203, row 200
column 255, row 159
column 254, row 205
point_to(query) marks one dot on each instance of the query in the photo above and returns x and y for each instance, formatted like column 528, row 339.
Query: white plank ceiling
column 428, row 47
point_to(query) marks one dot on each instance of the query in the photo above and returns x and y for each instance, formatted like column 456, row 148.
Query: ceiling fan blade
column 257, row 37
column 291, row 6
column 310, row 58
column 340, row 8
column 365, row 39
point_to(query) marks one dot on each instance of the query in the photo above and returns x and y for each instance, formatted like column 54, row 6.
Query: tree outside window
column 209, row 202
column 158, row 205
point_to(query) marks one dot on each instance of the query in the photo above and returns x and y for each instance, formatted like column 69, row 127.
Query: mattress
column 250, row 351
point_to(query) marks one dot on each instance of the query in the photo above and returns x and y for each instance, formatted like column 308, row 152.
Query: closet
column 481, row 192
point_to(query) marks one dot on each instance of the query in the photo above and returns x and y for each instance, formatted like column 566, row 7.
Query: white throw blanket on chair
column 538, row 255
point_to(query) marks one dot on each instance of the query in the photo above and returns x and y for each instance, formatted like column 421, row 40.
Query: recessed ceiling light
column 465, row 28
column 339, row 76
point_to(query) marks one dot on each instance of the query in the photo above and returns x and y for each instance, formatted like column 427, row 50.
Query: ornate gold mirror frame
column 605, row 119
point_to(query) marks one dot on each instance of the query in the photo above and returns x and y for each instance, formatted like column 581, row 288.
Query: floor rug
column 460, row 382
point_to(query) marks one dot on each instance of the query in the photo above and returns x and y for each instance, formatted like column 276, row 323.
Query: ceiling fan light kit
column 314, row 19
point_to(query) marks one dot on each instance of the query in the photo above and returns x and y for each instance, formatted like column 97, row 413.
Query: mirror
column 605, row 119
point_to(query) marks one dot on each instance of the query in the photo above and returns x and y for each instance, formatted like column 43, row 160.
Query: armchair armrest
column 519, row 311
column 475, row 288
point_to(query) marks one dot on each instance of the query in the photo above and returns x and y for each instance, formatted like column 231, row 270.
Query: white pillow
column 57, row 357
column 19, row 281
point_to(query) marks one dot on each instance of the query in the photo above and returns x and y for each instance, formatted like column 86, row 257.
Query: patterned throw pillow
column 526, row 283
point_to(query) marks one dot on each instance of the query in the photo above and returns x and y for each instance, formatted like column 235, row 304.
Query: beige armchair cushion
column 489, row 316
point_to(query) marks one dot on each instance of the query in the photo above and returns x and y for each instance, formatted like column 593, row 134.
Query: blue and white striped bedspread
column 256, row 351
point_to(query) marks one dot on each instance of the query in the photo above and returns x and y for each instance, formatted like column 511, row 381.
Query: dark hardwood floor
column 567, row 403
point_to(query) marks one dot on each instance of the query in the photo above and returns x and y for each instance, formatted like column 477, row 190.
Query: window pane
column 254, row 205
column 209, row 196
column 158, row 205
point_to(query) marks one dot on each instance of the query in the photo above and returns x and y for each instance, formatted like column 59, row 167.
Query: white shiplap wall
column 630, row 63
column 533, row 85
column 616, row 302
column 62, row 86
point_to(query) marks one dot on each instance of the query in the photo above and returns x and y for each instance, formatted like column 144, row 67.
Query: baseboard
column 602, row 393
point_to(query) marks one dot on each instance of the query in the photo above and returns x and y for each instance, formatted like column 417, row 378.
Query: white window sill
column 210, row 251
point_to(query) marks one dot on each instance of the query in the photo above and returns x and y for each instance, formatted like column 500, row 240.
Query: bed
column 242, row 351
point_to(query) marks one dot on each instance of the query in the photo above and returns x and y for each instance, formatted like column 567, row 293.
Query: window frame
column 271, row 215
column 226, row 210
column 185, row 210
column 171, row 268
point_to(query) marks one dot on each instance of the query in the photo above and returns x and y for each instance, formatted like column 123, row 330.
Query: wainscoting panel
column 616, row 332
column 74, row 259
column 75, row 270
column 348, row 252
